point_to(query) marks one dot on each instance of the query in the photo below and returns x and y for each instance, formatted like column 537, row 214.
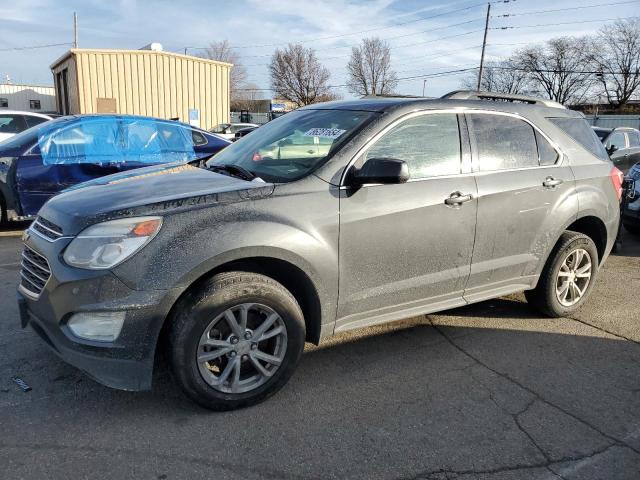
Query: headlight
column 106, row 244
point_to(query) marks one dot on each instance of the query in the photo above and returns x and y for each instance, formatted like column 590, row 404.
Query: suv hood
column 147, row 191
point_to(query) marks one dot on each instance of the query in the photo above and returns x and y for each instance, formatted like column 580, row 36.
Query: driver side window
column 429, row 144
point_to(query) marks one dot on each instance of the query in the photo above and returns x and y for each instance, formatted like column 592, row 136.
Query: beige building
column 143, row 82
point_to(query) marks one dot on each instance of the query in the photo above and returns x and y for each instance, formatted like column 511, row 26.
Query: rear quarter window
column 580, row 131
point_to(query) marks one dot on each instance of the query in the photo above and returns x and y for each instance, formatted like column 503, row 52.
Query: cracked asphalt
column 491, row 391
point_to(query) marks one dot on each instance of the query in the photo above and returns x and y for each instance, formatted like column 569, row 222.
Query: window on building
column 4, row 102
column 34, row 104
column 430, row 144
column 503, row 142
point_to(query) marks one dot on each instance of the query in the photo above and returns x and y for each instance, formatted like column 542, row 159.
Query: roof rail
column 500, row 97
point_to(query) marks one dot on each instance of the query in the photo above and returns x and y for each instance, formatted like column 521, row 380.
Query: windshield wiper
column 234, row 170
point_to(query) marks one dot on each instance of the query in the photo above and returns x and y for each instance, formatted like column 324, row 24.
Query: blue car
column 46, row 159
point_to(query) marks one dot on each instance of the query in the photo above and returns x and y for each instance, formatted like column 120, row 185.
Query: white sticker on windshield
column 332, row 133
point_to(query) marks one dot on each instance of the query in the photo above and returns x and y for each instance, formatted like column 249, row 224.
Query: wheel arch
column 293, row 277
column 594, row 228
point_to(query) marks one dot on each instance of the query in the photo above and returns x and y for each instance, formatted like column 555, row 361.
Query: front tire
column 236, row 340
column 568, row 276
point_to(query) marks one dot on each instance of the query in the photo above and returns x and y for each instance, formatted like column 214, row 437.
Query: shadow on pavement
column 415, row 399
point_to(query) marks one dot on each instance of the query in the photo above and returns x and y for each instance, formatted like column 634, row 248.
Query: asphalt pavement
column 491, row 391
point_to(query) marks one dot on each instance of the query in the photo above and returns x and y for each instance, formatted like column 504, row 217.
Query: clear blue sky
column 425, row 36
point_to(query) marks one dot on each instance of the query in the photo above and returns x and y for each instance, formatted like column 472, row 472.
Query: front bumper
column 126, row 363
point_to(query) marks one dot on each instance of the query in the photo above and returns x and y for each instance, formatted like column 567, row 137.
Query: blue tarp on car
column 113, row 139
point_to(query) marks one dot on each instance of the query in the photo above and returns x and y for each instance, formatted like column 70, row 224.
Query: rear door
column 522, row 183
column 401, row 247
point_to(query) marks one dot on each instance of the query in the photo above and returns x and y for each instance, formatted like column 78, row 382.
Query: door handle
column 457, row 198
column 551, row 182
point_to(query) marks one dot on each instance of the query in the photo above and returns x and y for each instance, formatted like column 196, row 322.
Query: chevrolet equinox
column 332, row 217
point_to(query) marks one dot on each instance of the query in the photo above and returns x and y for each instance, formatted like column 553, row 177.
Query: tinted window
column 547, row 154
column 616, row 140
column 198, row 138
column 430, row 144
column 33, row 121
column 634, row 139
column 34, row 104
column 503, row 142
column 12, row 123
column 581, row 132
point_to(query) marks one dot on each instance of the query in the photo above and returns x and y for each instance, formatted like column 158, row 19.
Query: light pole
column 424, row 84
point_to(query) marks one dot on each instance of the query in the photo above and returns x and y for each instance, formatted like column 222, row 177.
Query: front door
column 522, row 201
column 403, row 250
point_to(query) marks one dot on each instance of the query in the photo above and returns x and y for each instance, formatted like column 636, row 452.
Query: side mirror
column 611, row 149
column 381, row 170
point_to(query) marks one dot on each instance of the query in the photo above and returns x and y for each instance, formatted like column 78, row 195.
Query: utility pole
column 424, row 84
column 484, row 44
column 75, row 30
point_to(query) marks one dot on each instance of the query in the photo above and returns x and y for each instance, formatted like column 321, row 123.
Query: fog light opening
column 96, row 326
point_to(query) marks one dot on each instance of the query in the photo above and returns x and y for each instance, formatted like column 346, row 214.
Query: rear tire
column 236, row 340
column 568, row 276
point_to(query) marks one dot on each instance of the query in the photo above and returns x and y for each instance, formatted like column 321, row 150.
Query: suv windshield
column 293, row 145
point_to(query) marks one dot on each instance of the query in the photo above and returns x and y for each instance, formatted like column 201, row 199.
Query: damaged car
column 333, row 217
column 41, row 161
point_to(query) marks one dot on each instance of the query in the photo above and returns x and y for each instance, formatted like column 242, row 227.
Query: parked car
column 415, row 206
column 15, row 121
column 622, row 144
column 229, row 130
column 243, row 132
column 631, row 201
column 44, row 160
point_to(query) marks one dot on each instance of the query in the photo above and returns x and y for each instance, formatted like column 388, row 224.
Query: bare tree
column 616, row 54
column 298, row 76
column 500, row 77
column 369, row 69
column 223, row 52
column 559, row 69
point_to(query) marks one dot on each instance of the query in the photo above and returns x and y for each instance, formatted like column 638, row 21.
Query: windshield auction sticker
column 332, row 133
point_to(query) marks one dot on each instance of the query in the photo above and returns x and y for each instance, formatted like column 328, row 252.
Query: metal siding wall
column 149, row 83
column 612, row 121
column 18, row 97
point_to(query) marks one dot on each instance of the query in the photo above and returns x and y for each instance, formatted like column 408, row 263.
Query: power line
column 33, row 47
column 556, row 24
column 331, row 37
column 565, row 9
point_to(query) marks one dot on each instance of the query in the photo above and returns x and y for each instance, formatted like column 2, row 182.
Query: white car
column 14, row 121
column 228, row 130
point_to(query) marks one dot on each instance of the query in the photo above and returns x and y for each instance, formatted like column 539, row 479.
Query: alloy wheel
column 242, row 348
column 573, row 277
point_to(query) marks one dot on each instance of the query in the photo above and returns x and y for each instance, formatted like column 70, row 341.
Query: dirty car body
column 483, row 193
column 46, row 159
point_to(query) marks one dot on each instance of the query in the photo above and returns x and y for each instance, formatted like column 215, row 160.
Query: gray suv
column 333, row 217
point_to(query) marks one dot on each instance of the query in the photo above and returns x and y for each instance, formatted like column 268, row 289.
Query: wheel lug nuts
column 247, row 335
column 233, row 340
column 232, row 353
column 254, row 346
column 245, row 357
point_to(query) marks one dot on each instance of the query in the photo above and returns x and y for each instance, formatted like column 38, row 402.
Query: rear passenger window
column 581, row 132
column 503, row 142
column 548, row 155
column 430, row 144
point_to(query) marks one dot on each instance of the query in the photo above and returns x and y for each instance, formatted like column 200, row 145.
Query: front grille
column 35, row 271
column 46, row 228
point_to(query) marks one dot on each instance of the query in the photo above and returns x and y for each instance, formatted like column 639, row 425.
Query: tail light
column 617, row 177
